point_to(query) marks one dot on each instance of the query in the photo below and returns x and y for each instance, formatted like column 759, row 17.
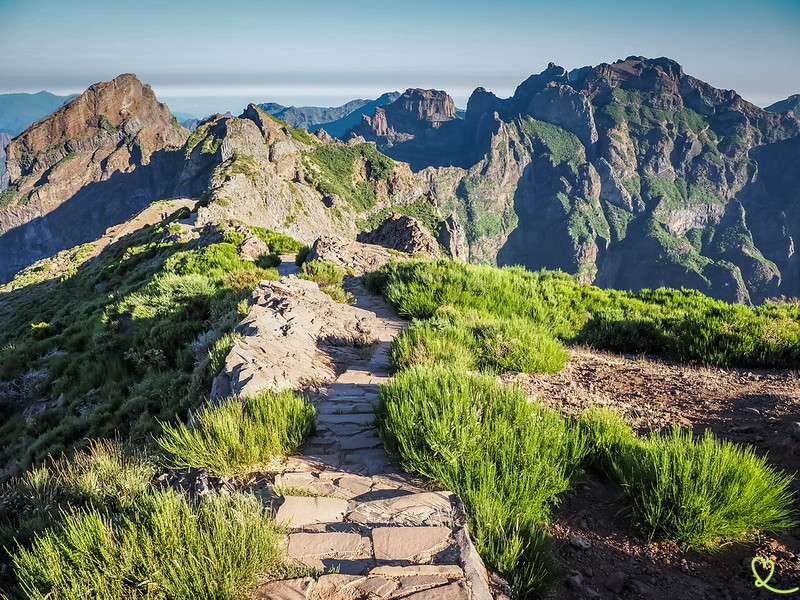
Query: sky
column 208, row 56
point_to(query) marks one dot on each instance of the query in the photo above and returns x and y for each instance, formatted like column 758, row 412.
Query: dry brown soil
column 748, row 406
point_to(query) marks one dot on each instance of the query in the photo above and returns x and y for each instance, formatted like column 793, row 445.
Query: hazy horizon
column 200, row 58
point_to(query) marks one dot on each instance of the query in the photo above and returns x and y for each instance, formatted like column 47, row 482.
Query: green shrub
column 278, row 243
column 302, row 254
column 268, row 261
column 606, row 434
column 106, row 475
column 231, row 236
column 684, row 324
column 465, row 342
column 246, row 279
column 164, row 548
column 324, row 274
column 239, row 435
column 702, row 493
column 508, row 459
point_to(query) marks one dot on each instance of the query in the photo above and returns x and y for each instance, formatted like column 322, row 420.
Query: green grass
column 684, row 324
column 164, row 548
column 240, row 435
column 468, row 342
column 126, row 338
column 108, row 476
column 701, row 493
column 328, row 277
column 332, row 169
column 278, row 243
column 508, row 459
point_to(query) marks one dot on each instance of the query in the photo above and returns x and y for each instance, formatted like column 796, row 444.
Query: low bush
column 328, row 277
column 278, row 243
column 701, row 493
column 468, row 342
column 302, row 255
column 240, row 435
column 164, row 548
column 684, row 324
column 107, row 475
column 508, row 459
column 268, row 261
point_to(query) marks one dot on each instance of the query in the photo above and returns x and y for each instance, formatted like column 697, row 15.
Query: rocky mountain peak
column 101, row 117
column 433, row 106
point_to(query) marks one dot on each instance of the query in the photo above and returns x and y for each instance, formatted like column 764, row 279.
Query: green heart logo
column 761, row 582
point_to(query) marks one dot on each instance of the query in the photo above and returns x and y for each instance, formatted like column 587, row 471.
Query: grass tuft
column 240, row 434
column 164, row 548
column 702, row 493
column 509, row 460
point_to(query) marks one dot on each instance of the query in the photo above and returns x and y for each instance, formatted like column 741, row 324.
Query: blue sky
column 204, row 56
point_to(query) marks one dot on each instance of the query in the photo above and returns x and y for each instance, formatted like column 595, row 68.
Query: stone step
column 298, row 511
column 345, row 418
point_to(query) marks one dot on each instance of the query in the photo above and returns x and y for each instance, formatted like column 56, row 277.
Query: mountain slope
column 89, row 165
column 335, row 120
column 18, row 111
column 628, row 175
column 791, row 103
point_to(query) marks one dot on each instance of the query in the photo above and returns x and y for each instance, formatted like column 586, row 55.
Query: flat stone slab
column 300, row 510
column 427, row 508
column 454, row 591
column 367, row 462
column 378, row 586
column 446, row 571
column 335, row 408
column 405, row 543
column 360, row 442
column 350, row 418
column 312, row 462
column 288, row 589
column 318, row 545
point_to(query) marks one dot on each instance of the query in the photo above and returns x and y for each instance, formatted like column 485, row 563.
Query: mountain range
column 628, row 175
column 334, row 120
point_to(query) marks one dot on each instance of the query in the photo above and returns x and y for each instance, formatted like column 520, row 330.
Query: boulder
column 354, row 257
column 402, row 233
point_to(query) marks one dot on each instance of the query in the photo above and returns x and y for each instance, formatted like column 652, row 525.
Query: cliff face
column 89, row 165
column 5, row 139
column 628, row 175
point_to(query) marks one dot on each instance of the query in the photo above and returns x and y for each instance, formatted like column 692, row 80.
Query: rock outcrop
column 294, row 336
column 402, row 233
column 91, row 164
column 354, row 257
column 5, row 140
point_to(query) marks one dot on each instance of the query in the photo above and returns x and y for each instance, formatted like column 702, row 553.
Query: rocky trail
column 372, row 530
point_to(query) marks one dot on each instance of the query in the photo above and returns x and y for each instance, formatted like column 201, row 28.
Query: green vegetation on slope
column 510, row 460
column 422, row 210
column 96, row 518
column 563, row 146
column 680, row 323
column 351, row 172
column 129, row 338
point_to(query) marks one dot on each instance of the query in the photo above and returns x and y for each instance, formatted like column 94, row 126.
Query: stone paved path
column 354, row 515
